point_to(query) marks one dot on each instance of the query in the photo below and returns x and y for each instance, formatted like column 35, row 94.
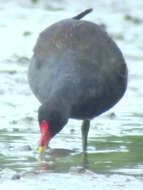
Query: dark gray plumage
column 77, row 71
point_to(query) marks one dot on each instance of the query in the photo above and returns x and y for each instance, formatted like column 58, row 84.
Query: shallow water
column 115, row 157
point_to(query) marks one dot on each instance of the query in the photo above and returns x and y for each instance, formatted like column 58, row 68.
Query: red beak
column 45, row 136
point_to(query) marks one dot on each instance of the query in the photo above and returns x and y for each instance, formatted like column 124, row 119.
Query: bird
column 76, row 71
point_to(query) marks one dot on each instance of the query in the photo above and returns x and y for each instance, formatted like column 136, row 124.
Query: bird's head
column 51, row 121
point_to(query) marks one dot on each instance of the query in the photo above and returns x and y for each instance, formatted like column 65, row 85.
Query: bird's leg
column 84, row 131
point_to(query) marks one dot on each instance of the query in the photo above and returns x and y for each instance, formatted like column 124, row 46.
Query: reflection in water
column 85, row 160
column 43, row 166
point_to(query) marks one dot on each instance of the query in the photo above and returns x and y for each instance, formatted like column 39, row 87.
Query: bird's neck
column 56, row 114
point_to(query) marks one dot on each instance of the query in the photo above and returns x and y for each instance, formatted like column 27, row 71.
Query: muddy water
column 115, row 153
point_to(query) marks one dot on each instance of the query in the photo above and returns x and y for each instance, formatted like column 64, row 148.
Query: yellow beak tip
column 41, row 149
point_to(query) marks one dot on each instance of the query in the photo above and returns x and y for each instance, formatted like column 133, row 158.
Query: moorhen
column 77, row 71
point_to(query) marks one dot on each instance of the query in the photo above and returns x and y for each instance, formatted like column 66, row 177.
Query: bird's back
column 80, row 63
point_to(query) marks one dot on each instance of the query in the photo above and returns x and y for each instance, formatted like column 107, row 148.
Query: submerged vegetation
column 34, row 1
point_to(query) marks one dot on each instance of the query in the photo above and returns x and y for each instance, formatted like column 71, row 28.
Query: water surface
column 115, row 157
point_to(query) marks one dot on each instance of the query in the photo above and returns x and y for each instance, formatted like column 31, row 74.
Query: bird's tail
column 82, row 14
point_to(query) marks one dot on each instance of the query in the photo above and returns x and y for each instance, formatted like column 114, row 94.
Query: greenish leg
column 84, row 131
